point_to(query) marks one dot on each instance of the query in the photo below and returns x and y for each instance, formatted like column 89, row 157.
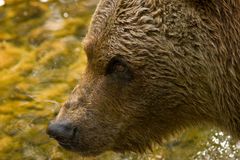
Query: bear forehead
column 110, row 11
column 102, row 17
column 120, row 13
column 100, row 24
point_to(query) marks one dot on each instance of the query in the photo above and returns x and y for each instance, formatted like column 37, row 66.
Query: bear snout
column 61, row 131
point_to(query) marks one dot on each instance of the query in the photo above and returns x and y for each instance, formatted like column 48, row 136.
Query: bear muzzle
column 63, row 132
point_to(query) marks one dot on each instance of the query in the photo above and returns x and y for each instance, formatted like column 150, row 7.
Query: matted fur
column 183, row 69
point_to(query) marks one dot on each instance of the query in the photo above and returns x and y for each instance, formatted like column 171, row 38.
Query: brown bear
column 154, row 68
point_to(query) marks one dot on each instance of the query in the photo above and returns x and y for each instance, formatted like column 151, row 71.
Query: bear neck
column 224, row 63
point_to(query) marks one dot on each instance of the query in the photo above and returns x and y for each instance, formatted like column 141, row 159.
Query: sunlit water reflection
column 2, row 3
column 219, row 146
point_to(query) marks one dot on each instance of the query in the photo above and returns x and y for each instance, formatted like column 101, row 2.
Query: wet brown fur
column 184, row 61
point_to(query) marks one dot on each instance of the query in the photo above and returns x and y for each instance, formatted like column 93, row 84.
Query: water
column 41, row 60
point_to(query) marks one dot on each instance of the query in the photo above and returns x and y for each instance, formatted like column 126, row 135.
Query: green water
column 41, row 60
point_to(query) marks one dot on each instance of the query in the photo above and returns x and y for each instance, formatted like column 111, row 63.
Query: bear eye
column 116, row 65
column 119, row 69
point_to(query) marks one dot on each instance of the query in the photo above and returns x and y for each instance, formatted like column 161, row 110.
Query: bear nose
column 61, row 131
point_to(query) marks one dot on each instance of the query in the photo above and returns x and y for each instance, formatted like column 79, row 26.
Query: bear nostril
column 61, row 130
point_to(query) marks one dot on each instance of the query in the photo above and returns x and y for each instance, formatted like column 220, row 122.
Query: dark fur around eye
column 113, row 69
